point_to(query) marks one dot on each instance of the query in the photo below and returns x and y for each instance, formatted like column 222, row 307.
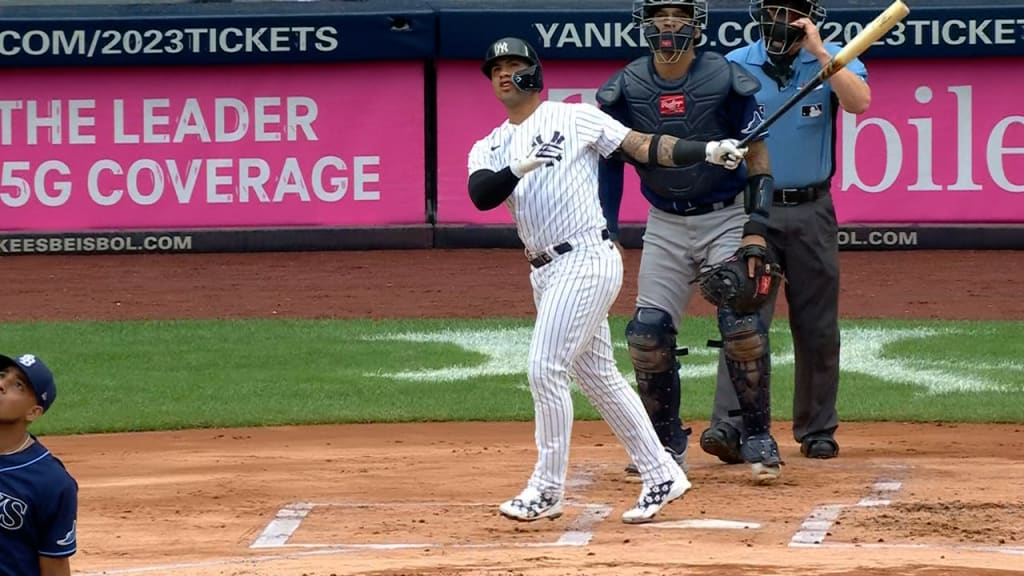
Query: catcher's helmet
column 670, row 45
column 775, row 17
column 529, row 79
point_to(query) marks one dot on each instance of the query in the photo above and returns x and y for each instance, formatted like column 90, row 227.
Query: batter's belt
column 545, row 257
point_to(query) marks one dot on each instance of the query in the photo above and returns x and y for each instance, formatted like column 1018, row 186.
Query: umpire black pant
column 803, row 238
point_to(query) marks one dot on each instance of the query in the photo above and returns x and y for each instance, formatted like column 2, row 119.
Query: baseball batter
column 542, row 164
column 697, row 218
column 38, row 498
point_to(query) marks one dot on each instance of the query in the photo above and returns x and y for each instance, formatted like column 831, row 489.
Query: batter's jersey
column 802, row 142
column 38, row 510
column 553, row 203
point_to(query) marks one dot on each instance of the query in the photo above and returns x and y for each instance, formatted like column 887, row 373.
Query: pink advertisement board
column 943, row 142
column 206, row 147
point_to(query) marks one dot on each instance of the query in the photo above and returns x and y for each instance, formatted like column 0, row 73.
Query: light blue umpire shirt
column 801, row 142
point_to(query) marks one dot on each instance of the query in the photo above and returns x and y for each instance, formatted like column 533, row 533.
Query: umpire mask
column 776, row 17
column 670, row 36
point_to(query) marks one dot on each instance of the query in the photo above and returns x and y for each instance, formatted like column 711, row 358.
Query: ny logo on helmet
column 501, row 48
column 27, row 360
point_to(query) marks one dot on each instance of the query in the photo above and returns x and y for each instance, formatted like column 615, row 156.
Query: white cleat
column 765, row 473
column 532, row 505
column 654, row 498
column 763, row 454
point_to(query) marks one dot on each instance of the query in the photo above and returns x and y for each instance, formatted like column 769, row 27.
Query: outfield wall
column 301, row 126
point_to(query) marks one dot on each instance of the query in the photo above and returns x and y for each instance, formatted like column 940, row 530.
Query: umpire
column 802, row 226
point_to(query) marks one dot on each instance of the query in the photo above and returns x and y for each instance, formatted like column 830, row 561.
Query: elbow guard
column 757, row 201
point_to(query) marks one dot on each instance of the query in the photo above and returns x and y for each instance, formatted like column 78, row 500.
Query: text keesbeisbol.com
column 95, row 244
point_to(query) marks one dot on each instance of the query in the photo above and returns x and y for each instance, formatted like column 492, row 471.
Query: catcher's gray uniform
column 697, row 219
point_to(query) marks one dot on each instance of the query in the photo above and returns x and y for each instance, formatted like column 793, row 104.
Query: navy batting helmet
column 528, row 79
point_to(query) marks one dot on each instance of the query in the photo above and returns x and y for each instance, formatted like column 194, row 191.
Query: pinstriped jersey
column 553, row 203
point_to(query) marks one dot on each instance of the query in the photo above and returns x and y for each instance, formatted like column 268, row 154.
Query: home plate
column 707, row 524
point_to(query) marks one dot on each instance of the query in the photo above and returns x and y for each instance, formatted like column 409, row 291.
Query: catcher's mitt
column 727, row 285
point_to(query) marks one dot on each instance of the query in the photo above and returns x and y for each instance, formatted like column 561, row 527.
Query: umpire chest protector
column 691, row 107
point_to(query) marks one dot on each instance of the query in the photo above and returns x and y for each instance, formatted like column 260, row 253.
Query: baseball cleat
column 532, row 505
column 723, row 441
column 654, row 498
column 762, row 453
column 765, row 473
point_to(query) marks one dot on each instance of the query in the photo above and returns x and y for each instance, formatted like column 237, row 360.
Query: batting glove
column 725, row 153
column 542, row 154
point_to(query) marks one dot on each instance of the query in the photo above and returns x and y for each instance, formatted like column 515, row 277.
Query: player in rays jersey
column 542, row 163
column 700, row 215
column 38, row 498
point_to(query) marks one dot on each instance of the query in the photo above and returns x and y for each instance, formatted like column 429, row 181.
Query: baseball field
column 346, row 413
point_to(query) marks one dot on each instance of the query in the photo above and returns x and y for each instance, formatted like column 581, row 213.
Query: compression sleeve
column 488, row 189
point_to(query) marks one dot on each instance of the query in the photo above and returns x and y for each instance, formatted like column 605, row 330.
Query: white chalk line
column 1014, row 550
column 814, row 529
column 288, row 519
column 285, row 523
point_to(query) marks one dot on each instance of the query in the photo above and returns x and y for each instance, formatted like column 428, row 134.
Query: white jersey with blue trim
column 553, row 203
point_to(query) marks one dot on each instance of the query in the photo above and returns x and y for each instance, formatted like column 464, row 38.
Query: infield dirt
column 422, row 498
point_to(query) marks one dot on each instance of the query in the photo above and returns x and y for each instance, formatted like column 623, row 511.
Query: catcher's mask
column 675, row 36
column 529, row 79
column 775, row 18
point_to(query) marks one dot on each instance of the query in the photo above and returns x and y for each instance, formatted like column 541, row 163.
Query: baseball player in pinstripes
column 542, row 164
column 695, row 220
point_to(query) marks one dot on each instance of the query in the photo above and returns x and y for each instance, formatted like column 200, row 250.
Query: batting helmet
column 529, row 79
column 775, row 17
column 676, row 42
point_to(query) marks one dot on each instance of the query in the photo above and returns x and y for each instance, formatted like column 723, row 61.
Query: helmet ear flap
column 529, row 79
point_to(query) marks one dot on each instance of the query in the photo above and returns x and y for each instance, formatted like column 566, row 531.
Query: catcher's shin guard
column 651, row 336
column 747, row 357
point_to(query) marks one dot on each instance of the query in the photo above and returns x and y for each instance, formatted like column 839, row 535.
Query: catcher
column 699, row 214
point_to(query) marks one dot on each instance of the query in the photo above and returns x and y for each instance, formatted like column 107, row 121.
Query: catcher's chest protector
column 686, row 108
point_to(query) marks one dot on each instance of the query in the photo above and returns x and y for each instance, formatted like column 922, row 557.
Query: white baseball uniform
column 574, row 291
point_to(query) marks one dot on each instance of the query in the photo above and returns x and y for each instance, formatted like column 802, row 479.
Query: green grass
column 121, row 376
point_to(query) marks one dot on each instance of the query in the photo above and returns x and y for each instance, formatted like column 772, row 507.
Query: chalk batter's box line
column 814, row 529
column 288, row 520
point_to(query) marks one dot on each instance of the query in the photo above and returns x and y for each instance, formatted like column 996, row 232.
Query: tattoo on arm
column 757, row 159
column 637, row 146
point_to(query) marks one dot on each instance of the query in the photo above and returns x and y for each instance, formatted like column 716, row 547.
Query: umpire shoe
column 655, row 497
column 820, row 445
column 633, row 473
column 762, row 453
column 722, row 440
column 532, row 505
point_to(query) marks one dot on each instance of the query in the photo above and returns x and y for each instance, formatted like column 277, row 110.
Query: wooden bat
column 877, row 28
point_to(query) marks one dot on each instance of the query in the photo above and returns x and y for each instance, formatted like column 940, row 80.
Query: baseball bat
column 877, row 28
